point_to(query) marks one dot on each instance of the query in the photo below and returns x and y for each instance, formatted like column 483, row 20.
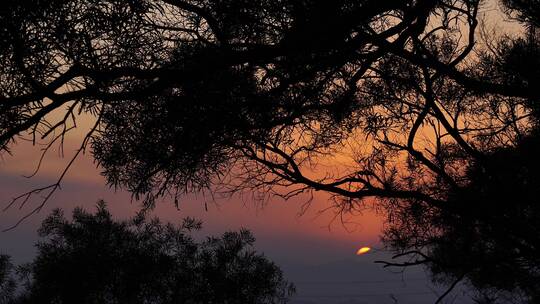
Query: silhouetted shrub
column 95, row 259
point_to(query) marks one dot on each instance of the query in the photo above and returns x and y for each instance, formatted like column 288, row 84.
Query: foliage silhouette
column 482, row 237
column 187, row 93
column 250, row 94
column 95, row 259
column 488, row 232
column 7, row 281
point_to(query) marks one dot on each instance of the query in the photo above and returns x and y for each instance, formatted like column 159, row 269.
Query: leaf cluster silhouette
column 96, row 259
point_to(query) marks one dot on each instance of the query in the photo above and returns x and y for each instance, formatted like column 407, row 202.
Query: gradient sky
column 84, row 185
column 299, row 243
column 315, row 251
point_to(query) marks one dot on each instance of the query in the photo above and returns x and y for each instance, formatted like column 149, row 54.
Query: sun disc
column 363, row 250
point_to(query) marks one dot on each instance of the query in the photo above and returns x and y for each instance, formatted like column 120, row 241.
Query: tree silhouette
column 489, row 235
column 525, row 11
column 183, row 91
column 7, row 281
column 488, row 231
column 229, row 94
column 95, row 259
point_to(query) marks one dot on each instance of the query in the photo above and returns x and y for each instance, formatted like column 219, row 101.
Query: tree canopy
column 183, row 91
column 195, row 94
column 96, row 259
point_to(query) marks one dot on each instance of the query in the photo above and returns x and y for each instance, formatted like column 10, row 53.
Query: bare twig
column 50, row 188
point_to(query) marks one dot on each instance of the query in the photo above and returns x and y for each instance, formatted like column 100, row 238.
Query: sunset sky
column 316, row 249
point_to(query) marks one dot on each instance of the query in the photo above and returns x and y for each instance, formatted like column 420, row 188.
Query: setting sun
column 363, row 250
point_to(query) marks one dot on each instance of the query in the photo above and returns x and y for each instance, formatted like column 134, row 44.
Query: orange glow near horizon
column 363, row 250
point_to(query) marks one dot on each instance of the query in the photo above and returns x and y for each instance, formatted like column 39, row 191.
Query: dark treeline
column 439, row 110
column 93, row 258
